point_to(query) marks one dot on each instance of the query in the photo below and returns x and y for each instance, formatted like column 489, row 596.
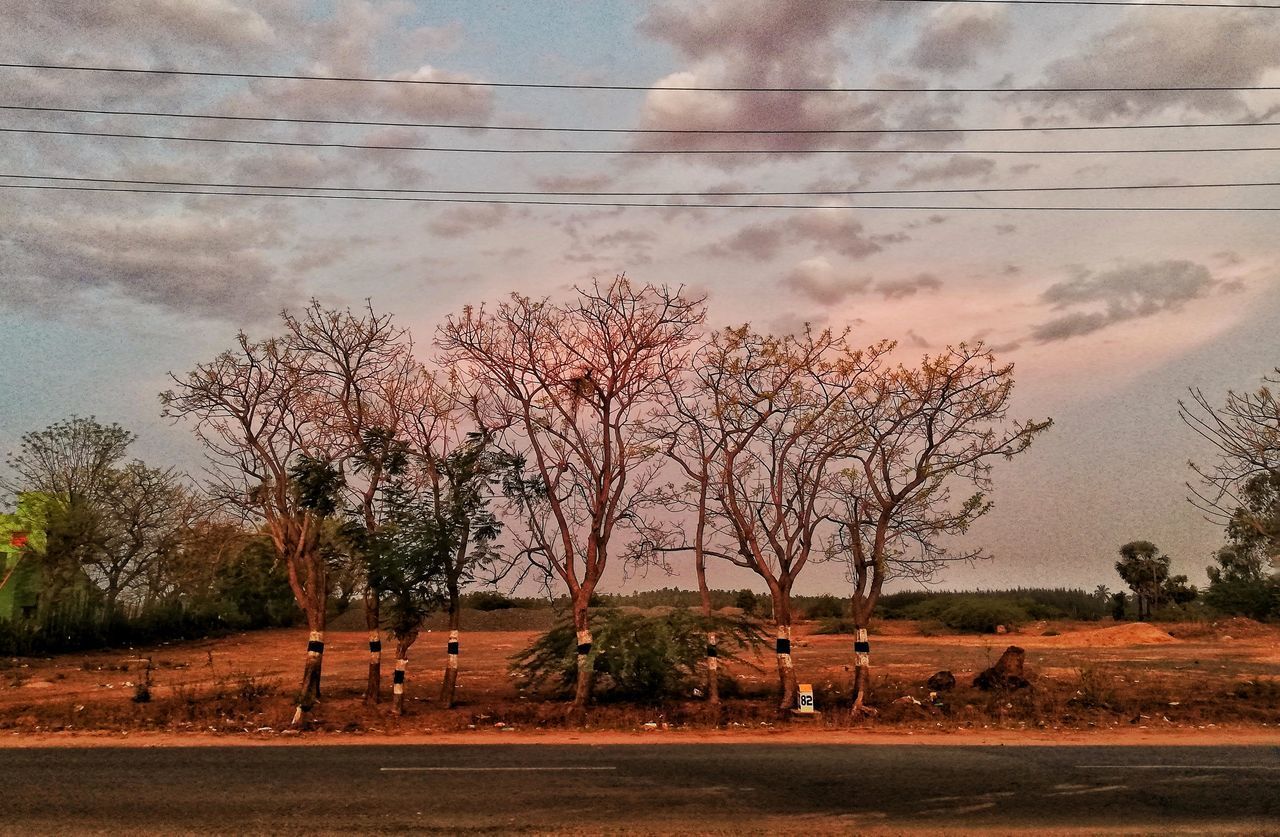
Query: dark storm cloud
column 1125, row 293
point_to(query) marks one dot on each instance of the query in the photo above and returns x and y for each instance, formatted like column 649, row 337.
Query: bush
column 972, row 614
column 1032, row 602
column 836, row 626
column 1258, row 600
column 824, row 607
column 747, row 601
column 637, row 657
column 488, row 600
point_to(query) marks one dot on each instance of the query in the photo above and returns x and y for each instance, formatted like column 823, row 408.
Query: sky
column 1108, row 316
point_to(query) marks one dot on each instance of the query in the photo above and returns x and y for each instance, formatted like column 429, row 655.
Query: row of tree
column 110, row 539
column 1240, row 490
column 557, row 438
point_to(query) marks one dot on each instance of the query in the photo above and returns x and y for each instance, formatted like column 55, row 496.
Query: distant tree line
column 114, row 550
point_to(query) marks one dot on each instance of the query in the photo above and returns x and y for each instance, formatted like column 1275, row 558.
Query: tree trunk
column 861, row 666
column 402, row 663
column 586, row 659
column 786, row 668
column 309, row 694
column 451, row 663
column 373, row 687
column 713, row 659
column 713, row 670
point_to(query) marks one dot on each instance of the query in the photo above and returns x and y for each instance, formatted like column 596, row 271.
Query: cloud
column 574, row 183
column 760, row 242
column 954, row 37
column 216, row 24
column 954, row 167
column 758, row 43
column 902, row 288
column 818, row 280
column 1125, row 293
column 835, row 231
column 188, row 263
column 1177, row 47
column 460, row 221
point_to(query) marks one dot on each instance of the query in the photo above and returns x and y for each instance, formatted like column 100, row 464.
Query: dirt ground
column 1129, row 682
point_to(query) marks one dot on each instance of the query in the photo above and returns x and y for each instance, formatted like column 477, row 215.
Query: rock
column 942, row 681
column 1001, row 629
column 1006, row 673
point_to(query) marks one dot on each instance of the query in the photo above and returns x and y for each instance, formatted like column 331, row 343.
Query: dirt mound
column 1130, row 633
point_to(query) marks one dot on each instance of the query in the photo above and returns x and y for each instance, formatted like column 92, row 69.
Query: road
column 706, row 788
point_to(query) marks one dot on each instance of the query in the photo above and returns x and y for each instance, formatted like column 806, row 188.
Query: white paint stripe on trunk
column 461, row 769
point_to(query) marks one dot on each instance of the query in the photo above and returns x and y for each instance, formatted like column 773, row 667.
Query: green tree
column 1145, row 569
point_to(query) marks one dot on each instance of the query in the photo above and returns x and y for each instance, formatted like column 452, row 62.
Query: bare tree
column 1245, row 433
column 687, row 434
column 146, row 513
column 249, row 407
column 71, row 459
column 363, row 383
column 571, row 387
column 919, row 432
column 756, row 436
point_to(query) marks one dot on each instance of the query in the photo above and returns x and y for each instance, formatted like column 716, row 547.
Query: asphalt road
column 733, row 789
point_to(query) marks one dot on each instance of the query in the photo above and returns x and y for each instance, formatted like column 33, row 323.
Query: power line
column 1147, row 3
column 619, row 204
column 580, row 130
column 632, row 151
column 568, row 193
column 631, row 87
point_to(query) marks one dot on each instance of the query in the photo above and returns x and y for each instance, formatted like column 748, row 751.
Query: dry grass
column 1082, row 678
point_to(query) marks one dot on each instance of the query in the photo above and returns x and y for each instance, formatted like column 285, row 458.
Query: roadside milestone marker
column 805, row 699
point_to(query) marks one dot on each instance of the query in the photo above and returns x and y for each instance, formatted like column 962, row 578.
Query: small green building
column 22, row 540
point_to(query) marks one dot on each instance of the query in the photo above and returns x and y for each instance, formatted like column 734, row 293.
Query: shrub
column 836, row 626
column 1034, row 602
column 489, row 600
column 637, row 657
column 824, row 607
column 748, row 601
column 979, row 615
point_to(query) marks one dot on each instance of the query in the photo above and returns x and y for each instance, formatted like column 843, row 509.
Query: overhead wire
column 631, row 151
column 594, row 193
column 637, row 204
column 587, row 130
column 625, row 87
column 1182, row 4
